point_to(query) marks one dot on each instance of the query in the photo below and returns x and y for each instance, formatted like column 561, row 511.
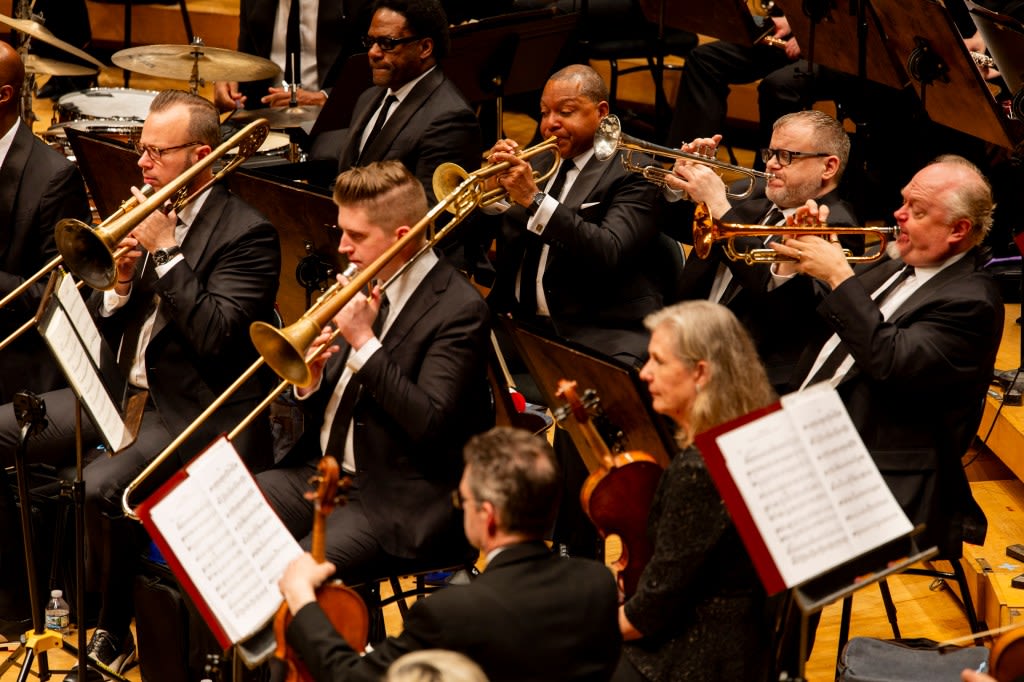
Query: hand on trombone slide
column 820, row 257
column 354, row 322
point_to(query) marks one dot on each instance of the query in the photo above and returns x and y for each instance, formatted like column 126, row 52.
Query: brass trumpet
column 609, row 139
column 90, row 252
column 448, row 176
column 707, row 230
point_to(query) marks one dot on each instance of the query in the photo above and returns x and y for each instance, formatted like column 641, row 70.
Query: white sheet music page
column 75, row 341
column 812, row 488
column 230, row 542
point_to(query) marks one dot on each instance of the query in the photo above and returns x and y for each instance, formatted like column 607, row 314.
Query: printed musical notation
column 228, row 540
column 810, row 485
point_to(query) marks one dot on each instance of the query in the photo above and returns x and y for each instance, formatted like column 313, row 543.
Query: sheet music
column 230, row 542
column 811, row 486
column 75, row 342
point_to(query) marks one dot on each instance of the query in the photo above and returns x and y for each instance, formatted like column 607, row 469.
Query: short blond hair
column 434, row 665
column 386, row 190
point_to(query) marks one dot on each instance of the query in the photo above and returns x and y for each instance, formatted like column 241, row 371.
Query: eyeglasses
column 156, row 153
column 786, row 156
column 386, row 44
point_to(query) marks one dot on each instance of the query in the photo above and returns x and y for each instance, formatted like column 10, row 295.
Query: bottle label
column 58, row 620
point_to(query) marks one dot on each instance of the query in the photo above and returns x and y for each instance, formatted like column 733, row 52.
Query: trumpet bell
column 446, row 178
column 284, row 349
column 606, row 139
column 87, row 253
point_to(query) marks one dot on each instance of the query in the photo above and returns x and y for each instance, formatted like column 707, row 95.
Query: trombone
column 707, row 230
column 448, row 176
column 90, row 252
column 284, row 350
column 609, row 139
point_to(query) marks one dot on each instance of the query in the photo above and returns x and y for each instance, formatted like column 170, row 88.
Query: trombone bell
column 284, row 349
column 88, row 252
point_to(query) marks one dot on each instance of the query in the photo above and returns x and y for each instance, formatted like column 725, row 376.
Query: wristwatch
column 163, row 256
column 534, row 206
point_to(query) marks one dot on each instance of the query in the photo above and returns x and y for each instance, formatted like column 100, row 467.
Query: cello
column 617, row 495
column 345, row 609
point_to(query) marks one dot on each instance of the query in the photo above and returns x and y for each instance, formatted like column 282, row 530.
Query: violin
column 617, row 495
column 1006, row 662
column 345, row 609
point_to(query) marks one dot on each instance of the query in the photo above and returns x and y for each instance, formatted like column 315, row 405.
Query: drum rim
column 90, row 117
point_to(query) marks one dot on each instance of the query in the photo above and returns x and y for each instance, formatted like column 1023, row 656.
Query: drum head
column 113, row 104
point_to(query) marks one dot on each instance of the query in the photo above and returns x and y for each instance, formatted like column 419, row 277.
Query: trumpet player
column 186, row 292
column 807, row 157
column 909, row 341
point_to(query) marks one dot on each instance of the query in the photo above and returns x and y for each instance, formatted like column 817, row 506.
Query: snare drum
column 108, row 104
column 125, row 131
column 277, row 145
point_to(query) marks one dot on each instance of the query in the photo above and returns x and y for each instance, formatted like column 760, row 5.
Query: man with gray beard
column 808, row 154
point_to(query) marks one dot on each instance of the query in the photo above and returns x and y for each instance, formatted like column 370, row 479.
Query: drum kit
column 120, row 112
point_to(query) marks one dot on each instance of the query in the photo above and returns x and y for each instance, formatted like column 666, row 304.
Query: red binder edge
column 707, row 443
column 143, row 512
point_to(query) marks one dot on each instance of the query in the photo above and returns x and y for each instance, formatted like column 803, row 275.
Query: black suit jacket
column 338, row 28
column 779, row 328
column 423, row 394
column 434, row 124
column 917, row 388
column 38, row 188
column 603, row 273
column 200, row 342
column 529, row 616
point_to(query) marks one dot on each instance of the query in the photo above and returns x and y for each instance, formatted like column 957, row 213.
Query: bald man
column 38, row 187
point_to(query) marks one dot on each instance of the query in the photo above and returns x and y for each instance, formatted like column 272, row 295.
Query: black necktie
column 293, row 46
column 839, row 353
column 379, row 122
column 343, row 414
column 773, row 217
column 531, row 259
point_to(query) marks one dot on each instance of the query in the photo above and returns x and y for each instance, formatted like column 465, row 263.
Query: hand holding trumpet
column 518, row 179
column 813, row 255
column 699, row 181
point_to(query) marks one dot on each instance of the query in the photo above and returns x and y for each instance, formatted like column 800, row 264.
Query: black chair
column 451, row 572
column 186, row 20
column 613, row 30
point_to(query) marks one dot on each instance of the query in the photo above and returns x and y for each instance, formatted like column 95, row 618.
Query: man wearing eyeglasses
column 807, row 157
column 413, row 113
column 530, row 615
column 187, row 289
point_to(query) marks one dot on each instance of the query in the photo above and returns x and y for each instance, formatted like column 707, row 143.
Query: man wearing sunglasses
column 806, row 157
column 187, row 289
column 413, row 113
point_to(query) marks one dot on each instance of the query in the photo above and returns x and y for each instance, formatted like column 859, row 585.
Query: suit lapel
column 931, row 288
column 586, row 181
column 426, row 296
column 403, row 115
column 360, row 120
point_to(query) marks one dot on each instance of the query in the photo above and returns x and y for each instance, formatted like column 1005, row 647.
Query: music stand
column 1004, row 38
column 508, row 54
column 728, row 20
column 953, row 92
column 839, row 30
column 625, row 401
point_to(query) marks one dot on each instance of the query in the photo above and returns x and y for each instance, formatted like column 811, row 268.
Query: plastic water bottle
column 58, row 616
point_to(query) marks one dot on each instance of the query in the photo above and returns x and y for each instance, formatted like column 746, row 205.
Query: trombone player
column 178, row 317
column 397, row 398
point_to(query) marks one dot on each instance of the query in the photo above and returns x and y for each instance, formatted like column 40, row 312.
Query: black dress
column 700, row 604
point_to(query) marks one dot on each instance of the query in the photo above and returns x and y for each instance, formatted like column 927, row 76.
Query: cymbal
column 215, row 63
column 37, row 30
column 279, row 117
column 51, row 67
